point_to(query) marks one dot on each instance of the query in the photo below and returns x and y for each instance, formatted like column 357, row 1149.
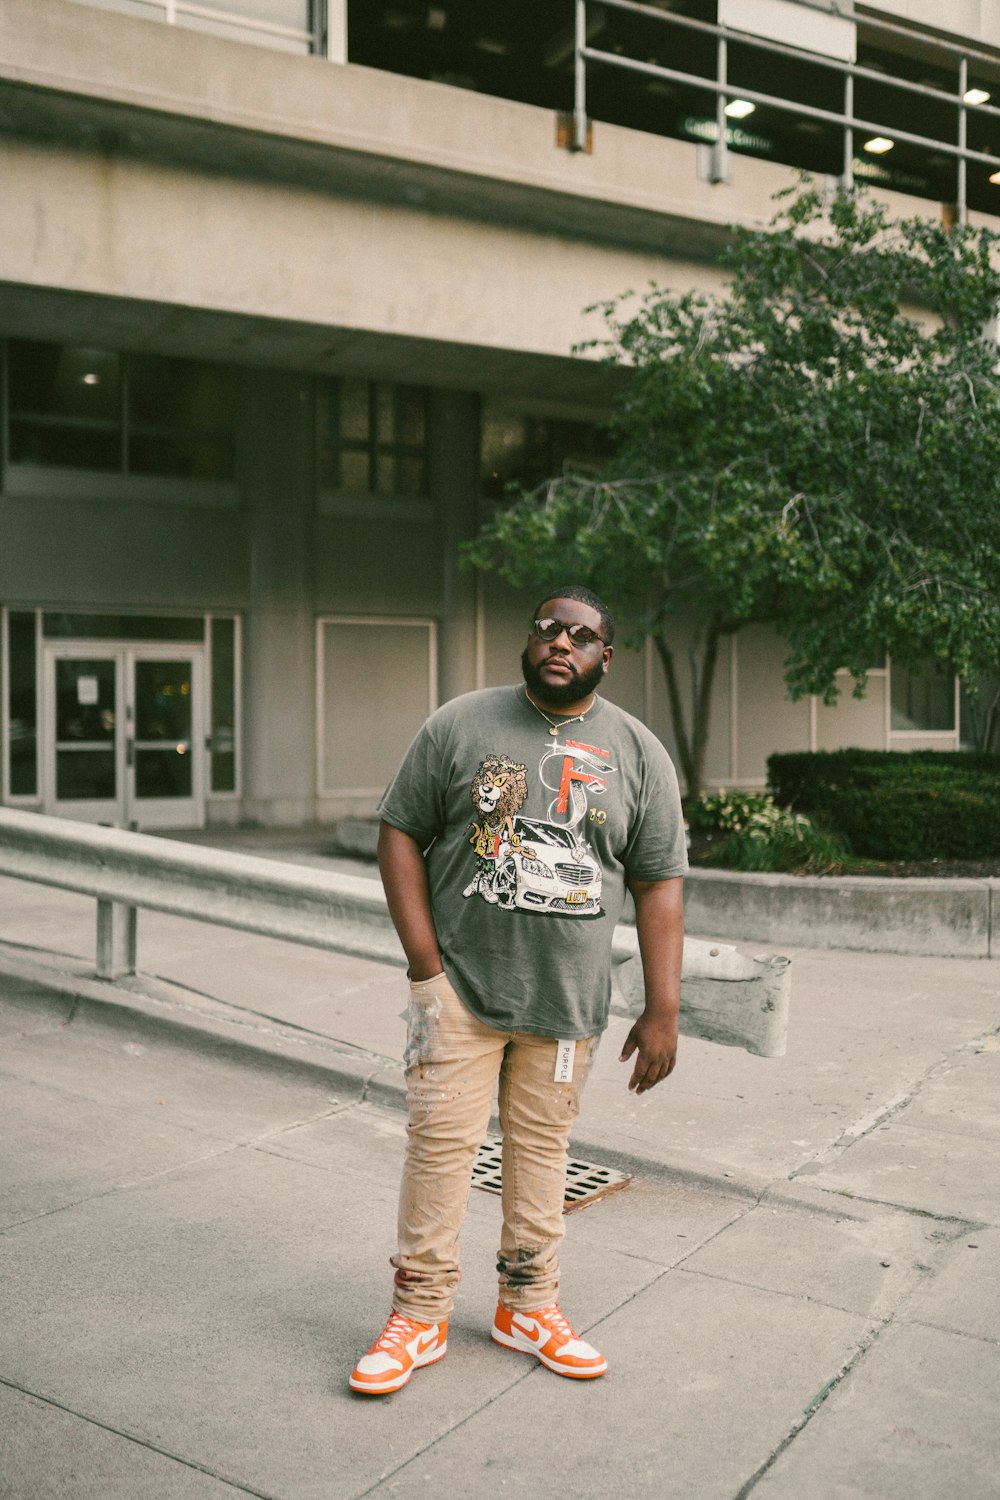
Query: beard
column 573, row 690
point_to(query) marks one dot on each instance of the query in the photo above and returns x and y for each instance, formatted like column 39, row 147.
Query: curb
column 249, row 1038
column 935, row 918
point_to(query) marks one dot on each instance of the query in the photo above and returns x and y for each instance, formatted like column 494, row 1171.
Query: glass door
column 124, row 734
column 84, row 763
column 165, row 753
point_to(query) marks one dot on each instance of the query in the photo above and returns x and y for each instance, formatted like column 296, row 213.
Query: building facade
column 288, row 291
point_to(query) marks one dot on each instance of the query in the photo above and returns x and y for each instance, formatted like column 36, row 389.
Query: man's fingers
column 647, row 1076
column 629, row 1048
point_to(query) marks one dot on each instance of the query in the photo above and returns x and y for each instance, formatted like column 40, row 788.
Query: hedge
column 896, row 805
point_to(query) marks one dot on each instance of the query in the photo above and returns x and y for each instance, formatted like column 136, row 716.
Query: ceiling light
column 878, row 145
column 91, row 378
column 995, row 177
column 738, row 109
column 976, row 96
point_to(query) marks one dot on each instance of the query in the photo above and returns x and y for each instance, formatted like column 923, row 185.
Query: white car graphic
column 551, row 869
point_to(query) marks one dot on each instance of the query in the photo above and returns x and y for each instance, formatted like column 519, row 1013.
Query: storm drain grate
column 586, row 1181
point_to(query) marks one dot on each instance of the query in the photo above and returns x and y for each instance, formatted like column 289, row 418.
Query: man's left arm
column 659, row 922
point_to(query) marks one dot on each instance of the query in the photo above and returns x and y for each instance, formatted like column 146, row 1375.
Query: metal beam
column 725, row 997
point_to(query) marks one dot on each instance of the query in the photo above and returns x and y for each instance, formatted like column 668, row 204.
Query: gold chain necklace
column 557, row 724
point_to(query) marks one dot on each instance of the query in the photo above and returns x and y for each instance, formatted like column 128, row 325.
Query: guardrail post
column 116, row 939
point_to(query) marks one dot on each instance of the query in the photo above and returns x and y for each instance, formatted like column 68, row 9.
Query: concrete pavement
column 797, row 1294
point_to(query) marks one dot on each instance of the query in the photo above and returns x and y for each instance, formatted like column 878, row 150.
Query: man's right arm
column 404, row 877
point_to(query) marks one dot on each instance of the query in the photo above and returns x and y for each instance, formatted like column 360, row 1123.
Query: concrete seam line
column 866, row 1343
column 187, row 1463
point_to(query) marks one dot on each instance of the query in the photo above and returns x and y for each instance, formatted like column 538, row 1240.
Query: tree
column 817, row 449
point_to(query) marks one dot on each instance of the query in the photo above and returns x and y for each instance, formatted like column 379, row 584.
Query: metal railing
column 725, row 997
column 845, row 119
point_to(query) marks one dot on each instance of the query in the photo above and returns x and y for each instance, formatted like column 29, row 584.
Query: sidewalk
column 199, row 1177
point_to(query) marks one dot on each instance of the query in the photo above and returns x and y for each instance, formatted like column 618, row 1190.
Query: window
column 527, row 450
column 923, row 700
column 22, row 703
column 75, row 407
column 373, row 438
column 225, row 697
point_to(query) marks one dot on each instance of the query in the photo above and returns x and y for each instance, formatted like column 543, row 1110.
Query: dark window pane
column 373, row 437
column 354, row 419
column 385, row 419
column 186, row 457
column 410, row 478
column 923, row 700
column 65, row 447
column 223, row 705
column 411, row 411
column 528, row 450
column 122, row 627
column 180, row 414
column 355, row 473
column 163, row 773
column 180, row 393
column 163, row 701
column 85, row 775
column 85, row 700
column 22, row 704
column 63, row 380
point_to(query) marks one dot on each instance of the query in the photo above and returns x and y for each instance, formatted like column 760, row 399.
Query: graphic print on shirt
column 539, row 864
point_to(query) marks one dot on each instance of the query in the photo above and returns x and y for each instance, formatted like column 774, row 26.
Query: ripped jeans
column 453, row 1062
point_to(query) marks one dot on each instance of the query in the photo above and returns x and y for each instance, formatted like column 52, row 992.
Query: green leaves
column 818, row 449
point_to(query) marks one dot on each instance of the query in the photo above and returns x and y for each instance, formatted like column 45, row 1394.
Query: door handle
column 130, row 752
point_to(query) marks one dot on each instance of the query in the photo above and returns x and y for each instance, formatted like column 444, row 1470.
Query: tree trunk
column 692, row 740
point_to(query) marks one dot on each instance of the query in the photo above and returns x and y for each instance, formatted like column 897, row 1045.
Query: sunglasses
column 580, row 635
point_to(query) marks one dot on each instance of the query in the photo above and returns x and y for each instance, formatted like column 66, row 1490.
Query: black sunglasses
column 580, row 635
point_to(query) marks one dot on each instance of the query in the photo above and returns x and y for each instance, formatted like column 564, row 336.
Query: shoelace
column 553, row 1316
column 396, row 1331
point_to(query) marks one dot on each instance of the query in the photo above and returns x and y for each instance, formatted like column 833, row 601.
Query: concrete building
column 288, row 290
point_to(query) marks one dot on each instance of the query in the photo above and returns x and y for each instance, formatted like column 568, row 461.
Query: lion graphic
column 499, row 790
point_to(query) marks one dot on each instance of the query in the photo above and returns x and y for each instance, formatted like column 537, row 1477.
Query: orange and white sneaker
column 547, row 1335
column 402, row 1347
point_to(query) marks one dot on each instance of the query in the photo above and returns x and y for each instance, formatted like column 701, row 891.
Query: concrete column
column 279, row 685
column 454, row 469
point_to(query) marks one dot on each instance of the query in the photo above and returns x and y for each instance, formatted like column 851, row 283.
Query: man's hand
column 659, row 922
column 654, row 1038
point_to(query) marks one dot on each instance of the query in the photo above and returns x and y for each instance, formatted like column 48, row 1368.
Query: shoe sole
column 367, row 1389
column 508, row 1342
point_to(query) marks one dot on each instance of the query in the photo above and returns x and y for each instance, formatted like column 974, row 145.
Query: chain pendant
column 554, row 730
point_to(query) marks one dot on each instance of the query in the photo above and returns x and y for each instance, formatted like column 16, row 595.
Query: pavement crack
column 883, row 1113
column 865, row 1344
column 130, row 1437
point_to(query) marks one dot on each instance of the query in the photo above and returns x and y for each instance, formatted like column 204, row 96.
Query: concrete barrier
column 941, row 918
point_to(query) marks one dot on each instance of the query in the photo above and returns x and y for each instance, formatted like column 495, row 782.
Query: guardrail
column 725, row 997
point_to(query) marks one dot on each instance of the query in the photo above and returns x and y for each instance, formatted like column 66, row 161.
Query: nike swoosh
column 426, row 1341
column 534, row 1333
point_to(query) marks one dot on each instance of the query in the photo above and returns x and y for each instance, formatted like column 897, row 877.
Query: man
column 508, row 837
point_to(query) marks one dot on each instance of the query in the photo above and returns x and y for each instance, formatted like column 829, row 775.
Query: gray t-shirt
column 530, row 839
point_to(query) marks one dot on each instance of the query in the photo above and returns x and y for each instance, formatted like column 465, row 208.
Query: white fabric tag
column 565, row 1053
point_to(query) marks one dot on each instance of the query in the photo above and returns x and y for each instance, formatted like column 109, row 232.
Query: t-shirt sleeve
column 656, row 848
column 414, row 800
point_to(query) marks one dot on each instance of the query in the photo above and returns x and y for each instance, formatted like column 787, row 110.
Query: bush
column 897, row 805
column 758, row 835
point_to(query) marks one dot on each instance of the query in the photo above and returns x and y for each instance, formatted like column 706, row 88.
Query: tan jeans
column 453, row 1063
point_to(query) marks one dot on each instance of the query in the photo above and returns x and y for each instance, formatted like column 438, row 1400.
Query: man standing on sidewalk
column 509, row 835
